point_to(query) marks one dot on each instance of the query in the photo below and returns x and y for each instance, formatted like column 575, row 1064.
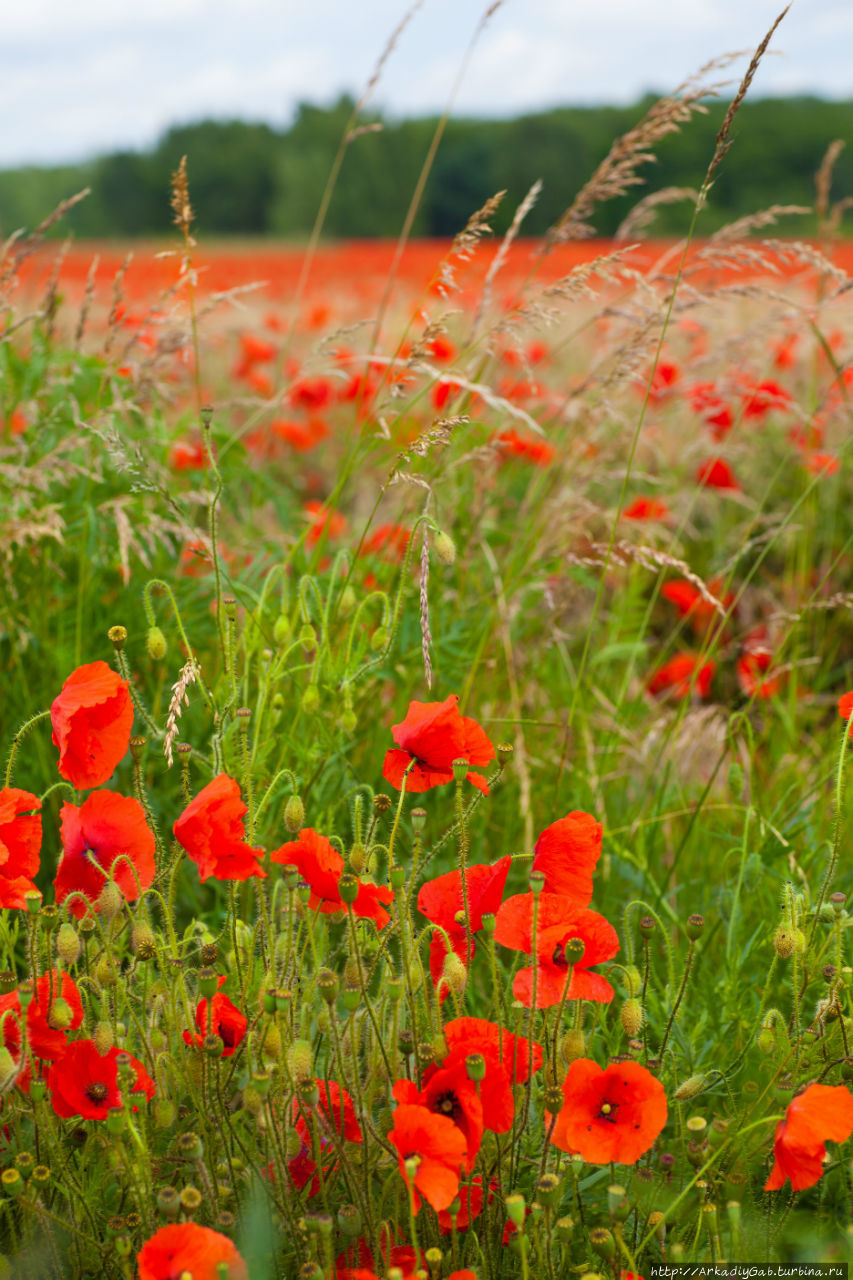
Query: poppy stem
column 408, row 769
column 678, row 998
column 25, row 728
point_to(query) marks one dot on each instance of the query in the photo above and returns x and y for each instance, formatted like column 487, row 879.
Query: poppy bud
column 633, row 980
column 308, row 638
column 572, row 1046
column 379, row 639
column 695, row 925
column 454, row 973
column 299, row 1058
column 155, row 644
column 692, row 1086
column 347, row 601
column 7, row 1066
column 348, row 720
column 787, row 940
column 117, row 637
column 67, row 944
column 631, row 1017
column 310, row 699
column 515, row 1207
column 104, row 971
column 281, row 629
column 110, row 900
column 102, row 1037
column 444, row 547
column 348, row 888
column 61, row 1015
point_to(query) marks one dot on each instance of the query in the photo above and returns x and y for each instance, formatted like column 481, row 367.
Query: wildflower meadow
column 425, row 700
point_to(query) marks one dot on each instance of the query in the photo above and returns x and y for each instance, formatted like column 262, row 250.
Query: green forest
column 253, row 180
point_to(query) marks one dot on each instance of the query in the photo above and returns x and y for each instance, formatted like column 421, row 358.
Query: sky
column 79, row 78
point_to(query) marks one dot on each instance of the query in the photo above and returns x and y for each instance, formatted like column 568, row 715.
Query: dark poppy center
column 97, row 1092
column 446, row 1104
column 559, row 957
column 608, row 1112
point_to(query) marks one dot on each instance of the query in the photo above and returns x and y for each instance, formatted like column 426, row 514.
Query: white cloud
column 77, row 79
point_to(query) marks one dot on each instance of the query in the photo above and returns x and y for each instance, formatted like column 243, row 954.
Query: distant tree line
column 252, row 180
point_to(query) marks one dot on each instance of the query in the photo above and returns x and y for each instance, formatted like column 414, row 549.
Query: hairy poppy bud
column 787, row 940
column 308, row 638
column 281, row 629
column 633, row 980
column 294, row 813
column 379, row 639
column 454, row 973
column 110, row 900
column 67, row 944
column 61, row 1015
column 102, row 1037
column 689, row 1088
column 7, row 1066
column 444, row 547
column 299, row 1059
column 155, row 644
column 632, row 1017
column 572, row 1046
column 347, row 602
column 310, row 699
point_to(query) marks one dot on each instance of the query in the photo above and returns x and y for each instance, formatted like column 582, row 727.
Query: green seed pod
column 692, row 1086
column 299, row 1059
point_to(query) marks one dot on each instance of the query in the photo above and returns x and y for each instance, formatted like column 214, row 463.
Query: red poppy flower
column 217, row 1016
column 567, row 853
column 92, row 718
column 440, row 900
column 320, row 864
column 433, row 735
column 751, row 668
column 187, row 455
column 845, row 708
column 185, row 1248
column 690, row 602
column 509, row 1060
column 449, row 1091
column 332, row 1114
column 332, row 523
column 558, row 920
column 663, row 380
column 389, row 540
column 706, row 401
column 536, row 451
column 440, row 1148
column 646, row 509
column 820, row 463
column 83, row 1083
column 20, row 844
column 105, row 827
column 715, row 473
column 609, row 1114
column 210, row 829
column 46, row 1026
column 760, row 397
column 819, row 1114
column 470, row 1206
column 680, row 675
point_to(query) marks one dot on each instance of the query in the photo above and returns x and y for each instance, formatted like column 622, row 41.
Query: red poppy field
column 425, row 703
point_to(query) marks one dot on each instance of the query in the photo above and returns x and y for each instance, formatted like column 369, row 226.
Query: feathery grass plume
column 510, row 235
column 643, row 213
column 423, row 595
column 116, row 309
column 86, row 304
column 617, row 172
column 465, row 242
column 722, row 142
column 595, row 554
column 182, row 210
column 179, row 699
column 51, row 293
column 823, row 179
